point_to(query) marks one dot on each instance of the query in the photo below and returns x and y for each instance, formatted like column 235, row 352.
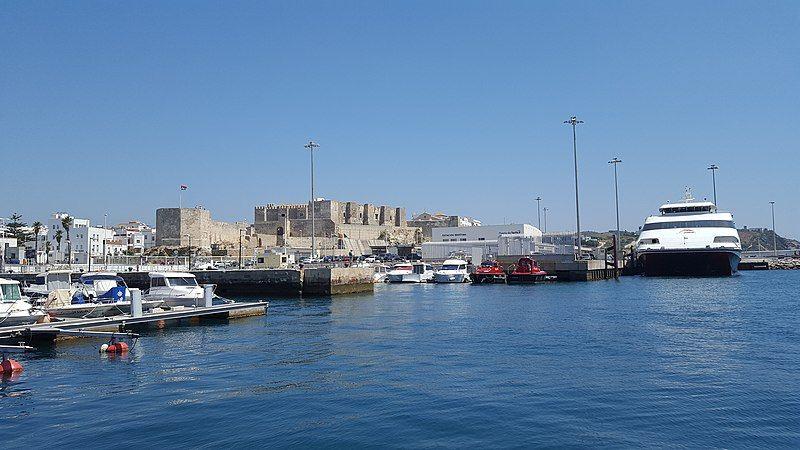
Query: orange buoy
column 117, row 347
column 122, row 347
column 10, row 366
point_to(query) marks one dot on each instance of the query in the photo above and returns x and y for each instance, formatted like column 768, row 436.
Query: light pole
column 92, row 243
column 545, row 219
column 538, row 211
column 311, row 146
column 190, row 250
column 240, row 248
column 614, row 162
column 774, row 235
column 105, row 261
column 713, row 168
column 3, row 244
column 574, row 122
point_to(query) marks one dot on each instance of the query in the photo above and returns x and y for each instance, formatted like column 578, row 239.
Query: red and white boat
column 489, row 272
column 526, row 271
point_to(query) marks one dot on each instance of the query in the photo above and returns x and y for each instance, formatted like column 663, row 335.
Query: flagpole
column 180, row 197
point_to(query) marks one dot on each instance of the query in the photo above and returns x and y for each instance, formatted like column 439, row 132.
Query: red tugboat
column 488, row 272
column 527, row 272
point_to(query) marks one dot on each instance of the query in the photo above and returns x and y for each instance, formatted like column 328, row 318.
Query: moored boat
column 108, row 287
column 452, row 271
column 176, row 289
column 689, row 238
column 489, row 272
column 417, row 272
column 14, row 307
column 526, row 271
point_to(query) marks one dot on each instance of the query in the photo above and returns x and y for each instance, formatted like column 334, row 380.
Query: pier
column 566, row 268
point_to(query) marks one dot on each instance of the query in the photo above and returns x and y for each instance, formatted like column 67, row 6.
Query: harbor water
column 698, row 362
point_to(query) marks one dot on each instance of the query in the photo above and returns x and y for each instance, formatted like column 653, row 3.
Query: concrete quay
column 259, row 282
column 566, row 268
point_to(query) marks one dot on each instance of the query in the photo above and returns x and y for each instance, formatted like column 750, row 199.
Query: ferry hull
column 689, row 263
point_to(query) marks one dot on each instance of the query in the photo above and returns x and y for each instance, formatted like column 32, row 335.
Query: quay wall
column 337, row 280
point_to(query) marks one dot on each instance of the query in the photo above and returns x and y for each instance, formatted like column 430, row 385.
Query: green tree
column 16, row 228
column 47, row 248
column 59, row 235
column 66, row 223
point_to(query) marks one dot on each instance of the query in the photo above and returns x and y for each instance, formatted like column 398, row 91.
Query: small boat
column 46, row 282
column 14, row 307
column 452, row 271
column 381, row 270
column 70, row 303
column 417, row 272
column 527, row 272
column 489, row 272
column 108, row 287
column 174, row 289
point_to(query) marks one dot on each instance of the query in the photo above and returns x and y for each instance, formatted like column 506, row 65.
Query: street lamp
column 190, row 250
column 774, row 235
column 713, row 168
column 240, row 248
column 545, row 219
column 92, row 243
column 311, row 146
column 614, row 162
column 574, row 122
column 538, row 209
column 3, row 221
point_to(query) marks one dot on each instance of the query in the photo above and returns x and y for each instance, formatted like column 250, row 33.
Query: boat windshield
column 182, row 281
column 408, row 267
column 488, row 264
column 452, row 267
column 9, row 292
column 689, row 224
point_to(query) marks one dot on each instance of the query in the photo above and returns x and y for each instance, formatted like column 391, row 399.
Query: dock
column 122, row 324
column 566, row 268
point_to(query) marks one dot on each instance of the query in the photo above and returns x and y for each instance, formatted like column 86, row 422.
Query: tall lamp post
column 190, row 250
column 614, row 162
column 311, row 146
column 713, row 168
column 545, row 209
column 240, row 248
column 3, row 244
column 538, row 211
column 774, row 235
column 574, row 122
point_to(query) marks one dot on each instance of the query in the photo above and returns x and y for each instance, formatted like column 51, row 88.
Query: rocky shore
column 785, row 264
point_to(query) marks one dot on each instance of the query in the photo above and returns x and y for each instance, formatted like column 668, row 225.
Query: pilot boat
column 452, row 271
column 15, row 308
column 527, row 271
column 489, row 272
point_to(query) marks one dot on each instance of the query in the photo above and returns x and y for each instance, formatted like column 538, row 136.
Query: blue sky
column 438, row 106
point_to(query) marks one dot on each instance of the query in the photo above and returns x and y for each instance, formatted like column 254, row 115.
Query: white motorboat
column 71, row 304
column 689, row 238
column 174, row 289
column 381, row 270
column 15, row 308
column 108, row 287
column 452, row 271
column 47, row 282
column 417, row 272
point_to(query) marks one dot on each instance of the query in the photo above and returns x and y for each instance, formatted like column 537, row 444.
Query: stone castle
column 335, row 219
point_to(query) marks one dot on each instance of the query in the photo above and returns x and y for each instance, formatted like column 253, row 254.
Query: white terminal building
column 482, row 242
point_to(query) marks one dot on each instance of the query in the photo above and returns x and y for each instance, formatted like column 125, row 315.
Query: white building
column 480, row 242
column 138, row 235
column 84, row 239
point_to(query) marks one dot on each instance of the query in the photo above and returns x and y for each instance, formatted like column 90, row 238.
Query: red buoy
column 117, row 347
column 10, row 366
column 122, row 347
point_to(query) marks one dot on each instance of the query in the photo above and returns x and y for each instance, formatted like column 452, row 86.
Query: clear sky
column 450, row 106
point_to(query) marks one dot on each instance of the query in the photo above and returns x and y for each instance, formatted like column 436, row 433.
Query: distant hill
column 761, row 239
column 752, row 239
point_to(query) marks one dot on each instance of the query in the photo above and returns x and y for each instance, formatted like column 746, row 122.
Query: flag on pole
column 184, row 187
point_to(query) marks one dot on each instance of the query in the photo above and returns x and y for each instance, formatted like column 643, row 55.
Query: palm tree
column 66, row 223
column 47, row 252
column 37, row 228
column 58, row 236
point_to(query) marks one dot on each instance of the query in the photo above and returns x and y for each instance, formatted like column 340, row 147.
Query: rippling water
column 709, row 362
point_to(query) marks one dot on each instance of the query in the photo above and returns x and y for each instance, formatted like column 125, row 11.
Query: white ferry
column 689, row 238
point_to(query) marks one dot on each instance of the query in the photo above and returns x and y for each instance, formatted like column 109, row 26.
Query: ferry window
column 481, row 239
column 689, row 224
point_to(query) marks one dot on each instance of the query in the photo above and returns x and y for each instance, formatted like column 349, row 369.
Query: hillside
column 752, row 239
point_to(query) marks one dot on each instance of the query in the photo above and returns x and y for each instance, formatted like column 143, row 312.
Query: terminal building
column 482, row 242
